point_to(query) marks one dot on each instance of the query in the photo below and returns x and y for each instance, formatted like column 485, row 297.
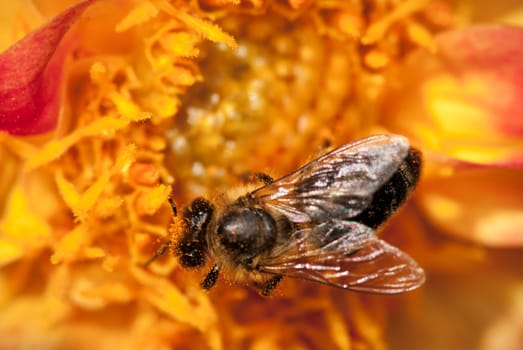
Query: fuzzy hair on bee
column 317, row 223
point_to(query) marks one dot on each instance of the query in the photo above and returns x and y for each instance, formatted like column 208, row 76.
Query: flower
column 157, row 97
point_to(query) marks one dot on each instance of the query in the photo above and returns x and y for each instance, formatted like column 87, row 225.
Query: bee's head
column 192, row 248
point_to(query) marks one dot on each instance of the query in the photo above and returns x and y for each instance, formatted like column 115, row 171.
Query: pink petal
column 464, row 101
column 495, row 52
column 31, row 74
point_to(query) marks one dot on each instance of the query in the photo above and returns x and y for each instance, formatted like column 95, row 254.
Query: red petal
column 30, row 76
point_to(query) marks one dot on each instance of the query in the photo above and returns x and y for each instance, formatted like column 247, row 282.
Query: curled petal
column 494, row 55
column 30, row 76
column 465, row 100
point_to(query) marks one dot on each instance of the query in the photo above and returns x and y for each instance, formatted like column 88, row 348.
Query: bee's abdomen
column 393, row 193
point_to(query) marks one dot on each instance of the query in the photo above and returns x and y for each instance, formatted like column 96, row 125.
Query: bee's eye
column 197, row 217
column 193, row 246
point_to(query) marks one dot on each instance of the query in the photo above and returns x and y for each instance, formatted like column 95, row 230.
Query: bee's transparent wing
column 339, row 184
column 355, row 260
column 319, row 199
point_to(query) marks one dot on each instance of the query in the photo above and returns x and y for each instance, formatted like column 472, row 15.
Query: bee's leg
column 173, row 205
column 268, row 286
column 158, row 254
column 210, row 280
column 250, row 177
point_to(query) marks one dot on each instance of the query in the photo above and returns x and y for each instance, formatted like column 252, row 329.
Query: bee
column 317, row 223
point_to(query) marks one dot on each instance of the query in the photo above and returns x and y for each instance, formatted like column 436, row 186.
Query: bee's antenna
column 167, row 245
column 170, row 199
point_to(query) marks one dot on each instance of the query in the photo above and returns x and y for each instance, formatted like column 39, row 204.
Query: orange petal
column 484, row 205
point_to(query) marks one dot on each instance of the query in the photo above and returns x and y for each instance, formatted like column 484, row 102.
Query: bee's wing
column 355, row 260
column 339, row 184
column 320, row 199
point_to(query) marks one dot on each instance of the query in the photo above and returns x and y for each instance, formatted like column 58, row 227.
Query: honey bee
column 317, row 223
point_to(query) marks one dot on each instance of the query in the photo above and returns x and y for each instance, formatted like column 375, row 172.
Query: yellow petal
column 56, row 148
column 107, row 207
column 127, row 108
column 140, row 14
column 148, row 202
column 196, row 311
column 377, row 30
column 70, row 245
column 9, row 252
column 421, row 36
column 68, row 192
column 94, row 252
column 17, row 145
column 207, row 30
column 80, row 204
column 181, row 44
column 21, row 225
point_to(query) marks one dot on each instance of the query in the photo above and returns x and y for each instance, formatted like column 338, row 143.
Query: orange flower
column 141, row 99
